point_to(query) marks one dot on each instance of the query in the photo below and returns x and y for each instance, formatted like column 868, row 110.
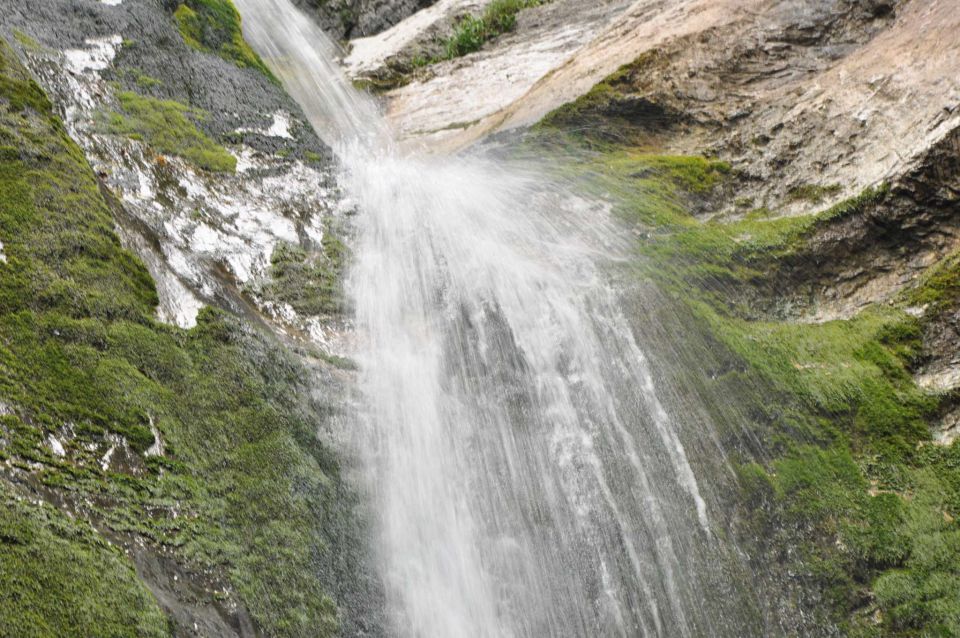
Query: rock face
column 188, row 152
column 812, row 102
column 356, row 18
column 448, row 104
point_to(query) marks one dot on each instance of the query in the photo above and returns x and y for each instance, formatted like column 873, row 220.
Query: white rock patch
column 56, row 446
column 97, row 58
column 157, row 448
column 279, row 127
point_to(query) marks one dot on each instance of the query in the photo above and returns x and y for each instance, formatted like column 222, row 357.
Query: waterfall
column 527, row 479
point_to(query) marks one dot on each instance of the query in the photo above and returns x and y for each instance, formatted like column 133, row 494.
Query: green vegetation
column 26, row 41
column 141, row 79
column 42, row 551
column 168, row 127
column 939, row 289
column 595, row 119
column 656, row 193
column 472, row 32
column 813, row 193
column 311, row 284
column 854, row 500
column 244, row 492
column 214, row 26
column 469, row 34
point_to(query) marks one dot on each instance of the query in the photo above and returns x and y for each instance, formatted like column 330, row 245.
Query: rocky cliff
column 167, row 447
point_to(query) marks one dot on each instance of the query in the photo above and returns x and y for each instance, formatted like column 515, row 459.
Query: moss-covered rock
column 196, row 444
column 853, row 503
column 168, row 127
column 214, row 26
column 309, row 281
column 58, row 577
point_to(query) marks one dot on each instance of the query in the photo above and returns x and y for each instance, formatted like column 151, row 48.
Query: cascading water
column 527, row 480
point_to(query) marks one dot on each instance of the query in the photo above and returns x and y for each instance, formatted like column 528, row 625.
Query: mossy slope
column 42, row 551
column 851, row 500
column 243, row 491
column 310, row 283
column 168, row 127
column 214, row 26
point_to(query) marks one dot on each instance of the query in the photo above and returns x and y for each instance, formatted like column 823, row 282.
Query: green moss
column 656, row 192
column 143, row 80
column 652, row 190
column 59, row 578
column 214, row 26
column 939, row 288
column 244, row 490
column 813, row 193
column 168, row 126
column 593, row 117
column 26, row 41
column 310, row 283
column 18, row 88
column 851, row 497
column 840, row 369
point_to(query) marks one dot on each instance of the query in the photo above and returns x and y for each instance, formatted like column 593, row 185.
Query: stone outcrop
column 356, row 18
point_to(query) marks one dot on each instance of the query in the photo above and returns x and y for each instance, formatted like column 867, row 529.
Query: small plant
column 813, row 193
column 473, row 32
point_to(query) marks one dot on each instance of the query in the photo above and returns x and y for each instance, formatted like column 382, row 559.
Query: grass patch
column 613, row 114
column 214, row 26
column 812, row 193
column 472, row 32
column 939, row 288
column 655, row 193
column 168, row 127
column 26, row 41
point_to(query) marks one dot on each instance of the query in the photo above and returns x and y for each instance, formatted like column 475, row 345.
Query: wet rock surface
column 155, row 60
column 208, row 238
column 449, row 104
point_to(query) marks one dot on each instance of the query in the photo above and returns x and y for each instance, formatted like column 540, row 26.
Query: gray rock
column 345, row 19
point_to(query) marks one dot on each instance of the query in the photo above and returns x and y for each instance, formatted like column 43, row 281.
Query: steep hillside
column 156, row 479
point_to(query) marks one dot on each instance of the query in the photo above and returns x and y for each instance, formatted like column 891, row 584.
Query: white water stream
column 528, row 481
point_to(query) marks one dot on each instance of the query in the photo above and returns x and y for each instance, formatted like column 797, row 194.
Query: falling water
column 528, row 480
